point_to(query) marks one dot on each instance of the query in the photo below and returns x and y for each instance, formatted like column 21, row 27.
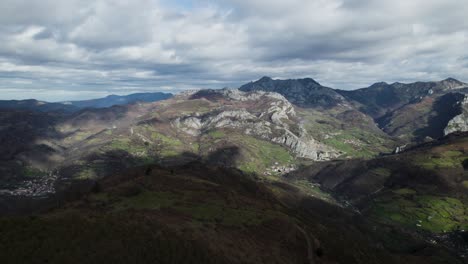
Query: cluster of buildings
column 279, row 169
column 34, row 187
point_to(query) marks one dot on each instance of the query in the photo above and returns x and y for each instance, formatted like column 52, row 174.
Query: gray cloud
column 55, row 49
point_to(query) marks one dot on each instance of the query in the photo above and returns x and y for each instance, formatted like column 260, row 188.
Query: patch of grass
column 432, row 213
column 218, row 212
column 465, row 184
column 405, row 191
column 31, row 172
column 86, row 174
column 195, row 147
column 93, row 141
column 313, row 190
column 453, row 153
column 356, row 143
column 126, row 145
column 217, row 134
column 448, row 159
column 214, row 211
column 147, row 200
column 169, row 141
column 169, row 146
column 441, row 160
column 382, row 172
column 77, row 136
column 262, row 154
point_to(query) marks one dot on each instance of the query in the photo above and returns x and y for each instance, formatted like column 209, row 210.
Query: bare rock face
column 266, row 115
column 460, row 122
column 452, row 84
column 196, row 125
column 457, row 124
column 303, row 147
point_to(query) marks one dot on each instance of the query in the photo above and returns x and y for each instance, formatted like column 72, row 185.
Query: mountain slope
column 201, row 214
column 330, row 117
column 382, row 98
column 424, row 188
column 411, row 112
column 301, row 92
column 408, row 113
column 427, row 118
column 258, row 132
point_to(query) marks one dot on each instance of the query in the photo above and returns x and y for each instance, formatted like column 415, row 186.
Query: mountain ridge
column 113, row 99
column 74, row 106
column 383, row 102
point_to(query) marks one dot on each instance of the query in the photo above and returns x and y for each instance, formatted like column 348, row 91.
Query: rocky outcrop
column 196, row 125
column 457, row 124
column 399, row 149
column 261, row 114
column 305, row 148
column 452, row 84
column 460, row 122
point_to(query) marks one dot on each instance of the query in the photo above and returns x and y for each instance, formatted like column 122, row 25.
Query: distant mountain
column 112, row 100
column 73, row 106
column 412, row 112
column 301, row 92
column 35, row 105
column 409, row 112
column 423, row 119
column 381, row 98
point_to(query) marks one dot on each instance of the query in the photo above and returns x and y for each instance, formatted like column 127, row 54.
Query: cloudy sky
column 76, row 49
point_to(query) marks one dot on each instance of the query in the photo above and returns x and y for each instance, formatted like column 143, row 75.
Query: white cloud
column 104, row 46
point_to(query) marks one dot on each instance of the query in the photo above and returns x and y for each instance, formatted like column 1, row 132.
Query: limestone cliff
column 460, row 122
column 265, row 115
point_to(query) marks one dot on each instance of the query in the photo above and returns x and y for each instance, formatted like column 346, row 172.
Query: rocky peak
column 451, row 83
column 265, row 79
column 380, row 84
column 268, row 84
column 265, row 115
column 302, row 92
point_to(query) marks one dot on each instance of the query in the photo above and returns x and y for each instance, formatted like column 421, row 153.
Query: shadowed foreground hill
column 424, row 189
column 201, row 214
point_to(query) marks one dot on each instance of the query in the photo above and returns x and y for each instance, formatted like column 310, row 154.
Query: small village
column 278, row 169
column 40, row 187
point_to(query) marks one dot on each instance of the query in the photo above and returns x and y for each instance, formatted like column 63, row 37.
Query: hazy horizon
column 100, row 94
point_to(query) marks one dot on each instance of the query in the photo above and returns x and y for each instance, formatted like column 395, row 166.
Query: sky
column 79, row 49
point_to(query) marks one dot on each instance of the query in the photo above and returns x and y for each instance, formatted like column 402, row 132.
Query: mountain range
column 277, row 171
column 73, row 106
column 409, row 111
